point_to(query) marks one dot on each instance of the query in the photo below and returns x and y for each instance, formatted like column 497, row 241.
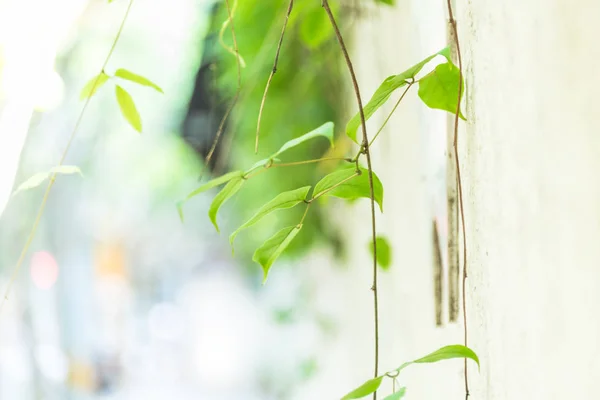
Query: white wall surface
column 530, row 156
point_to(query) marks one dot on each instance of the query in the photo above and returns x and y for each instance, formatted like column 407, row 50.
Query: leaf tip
column 179, row 206
column 231, row 240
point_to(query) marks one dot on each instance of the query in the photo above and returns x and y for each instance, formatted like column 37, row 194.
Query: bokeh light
column 44, row 270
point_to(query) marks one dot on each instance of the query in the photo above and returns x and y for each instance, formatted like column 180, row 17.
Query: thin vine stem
column 365, row 145
column 316, row 160
column 452, row 22
column 392, row 112
column 235, row 97
column 308, row 203
column 52, row 179
column 273, row 71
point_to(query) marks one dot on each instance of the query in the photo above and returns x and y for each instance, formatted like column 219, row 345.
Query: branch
column 235, row 97
column 273, row 71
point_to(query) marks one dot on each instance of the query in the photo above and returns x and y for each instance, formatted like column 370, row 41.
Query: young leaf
column 92, row 86
column 37, row 179
column 385, row 90
column 208, row 185
column 229, row 190
column 439, row 88
column 140, row 80
column 325, row 130
column 384, row 252
column 398, row 395
column 215, row 182
column 342, row 184
column 449, row 352
column 445, row 353
column 270, row 250
column 283, row 200
column 390, row 3
column 365, row 389
column 179, row 206
column 128, row 108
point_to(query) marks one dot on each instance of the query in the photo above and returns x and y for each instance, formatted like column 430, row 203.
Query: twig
column 459, row 183
column 273, row 71
column 42, row 207
column 248, row 88
column 367, row 153
column 392, row 112
column 316, row 160
column 308, row 203
column 235, row 97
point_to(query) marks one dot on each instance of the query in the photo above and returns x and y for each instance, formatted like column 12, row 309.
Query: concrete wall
column 530, row 155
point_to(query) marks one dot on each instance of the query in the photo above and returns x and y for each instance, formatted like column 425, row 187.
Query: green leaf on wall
column 128, row 108
column 384, row 252
column 444, row 353
column 270, row 250
column 385, row 90
column 398, row 395
column 439, row 88
column 365, row 389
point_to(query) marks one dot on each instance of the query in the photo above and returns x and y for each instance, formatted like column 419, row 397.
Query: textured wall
column 530, row 155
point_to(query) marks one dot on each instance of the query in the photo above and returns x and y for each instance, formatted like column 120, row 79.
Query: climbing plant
column 439, row 87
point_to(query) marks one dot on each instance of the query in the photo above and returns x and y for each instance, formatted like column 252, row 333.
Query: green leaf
column 282, row 201
column 445, row 353
column 388, row 2
column 39, row 178
column 128, row 108
column 92, row 86
column 384, row 252
column 215, row 182
column 325, row 130
column 229, row 190
column 352, row 187
column 385, row 90
column 180, row 210
column 365, row 389
column 439, row 88
column 398, row 395
column 130, row 76
column 270, row 250
column 208, row 185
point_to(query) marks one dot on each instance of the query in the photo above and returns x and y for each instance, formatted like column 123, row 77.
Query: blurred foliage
column 305, row 92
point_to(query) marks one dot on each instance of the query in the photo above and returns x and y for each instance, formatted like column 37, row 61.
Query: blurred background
column 117, row 298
